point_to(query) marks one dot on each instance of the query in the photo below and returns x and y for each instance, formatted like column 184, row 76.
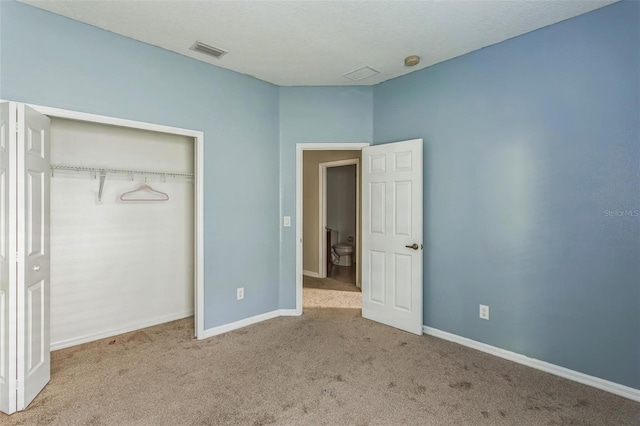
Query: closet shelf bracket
column 103, row 176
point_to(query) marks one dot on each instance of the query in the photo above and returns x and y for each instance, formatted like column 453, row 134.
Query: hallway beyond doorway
column 338, row 290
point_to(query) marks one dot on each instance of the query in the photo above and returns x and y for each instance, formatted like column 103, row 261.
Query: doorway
column 392, row 236
column 339, row 218
column 330, row 228
column 312, row 253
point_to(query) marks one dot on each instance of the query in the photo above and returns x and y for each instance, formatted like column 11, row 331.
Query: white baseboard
column 221, row 329
column 289, row 313
column 596, row 382
column 311, row 274
column 120, row 330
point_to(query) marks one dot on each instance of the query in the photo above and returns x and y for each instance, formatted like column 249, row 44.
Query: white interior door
column 33, row 285
column 392, row 234
column 7, row 274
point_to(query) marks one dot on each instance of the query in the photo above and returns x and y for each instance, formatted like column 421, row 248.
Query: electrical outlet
column 484, row 312
column 240, row 293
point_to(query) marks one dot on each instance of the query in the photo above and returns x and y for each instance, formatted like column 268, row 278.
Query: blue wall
column 528, row 144
column 308, row 115
column 51, row 60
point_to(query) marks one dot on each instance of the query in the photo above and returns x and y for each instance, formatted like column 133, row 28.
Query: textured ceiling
column 308, row 43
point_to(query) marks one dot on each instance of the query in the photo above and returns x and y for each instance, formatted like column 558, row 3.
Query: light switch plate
column 287, row 221
column 484, row 312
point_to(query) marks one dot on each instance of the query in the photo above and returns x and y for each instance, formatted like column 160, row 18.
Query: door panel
column 403, row 161
column 377, row 262
column 402, row 209
column 378, row 164
column 35, row 204
column 35, row 139
column 402, row 274
column 377, row 208
column 35, row 327
column 392, row 220
column 34, row 257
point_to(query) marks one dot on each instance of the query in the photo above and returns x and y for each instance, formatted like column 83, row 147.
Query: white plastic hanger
column 145, row 187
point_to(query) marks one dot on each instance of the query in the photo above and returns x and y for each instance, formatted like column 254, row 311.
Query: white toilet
column 344, row 251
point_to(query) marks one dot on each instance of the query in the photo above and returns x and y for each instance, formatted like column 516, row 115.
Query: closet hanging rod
column 101, row 170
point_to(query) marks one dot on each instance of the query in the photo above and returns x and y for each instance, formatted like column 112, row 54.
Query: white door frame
column 198, row 138
column 322, row 214
column 300, row 148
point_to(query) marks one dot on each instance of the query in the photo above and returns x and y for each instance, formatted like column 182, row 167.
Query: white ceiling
column 309, row 43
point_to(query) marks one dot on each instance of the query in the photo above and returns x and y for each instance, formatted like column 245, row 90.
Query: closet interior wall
column 118, row 266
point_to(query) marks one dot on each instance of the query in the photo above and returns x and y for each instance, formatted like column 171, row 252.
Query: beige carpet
column 318, row 298
column 329, row 284
column 330, row 293
column 339, row 278
column 328, row 367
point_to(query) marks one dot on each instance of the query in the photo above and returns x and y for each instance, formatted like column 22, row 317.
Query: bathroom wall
column 310, row 206
column 341, row 201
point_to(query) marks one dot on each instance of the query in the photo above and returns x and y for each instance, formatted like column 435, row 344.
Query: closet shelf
column 98, row 171
column 102, row 172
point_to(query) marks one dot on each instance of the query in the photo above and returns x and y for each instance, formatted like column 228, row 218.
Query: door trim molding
column 198, row 172
column 300, row 148
column 322, row 213
column 576, row 376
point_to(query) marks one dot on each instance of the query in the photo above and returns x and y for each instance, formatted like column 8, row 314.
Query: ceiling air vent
column 361, row 73
column 201, row 47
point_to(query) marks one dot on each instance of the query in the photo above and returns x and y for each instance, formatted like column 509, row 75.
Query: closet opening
column 126, row 226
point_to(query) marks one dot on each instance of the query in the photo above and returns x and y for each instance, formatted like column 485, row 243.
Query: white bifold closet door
column 24, row 255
